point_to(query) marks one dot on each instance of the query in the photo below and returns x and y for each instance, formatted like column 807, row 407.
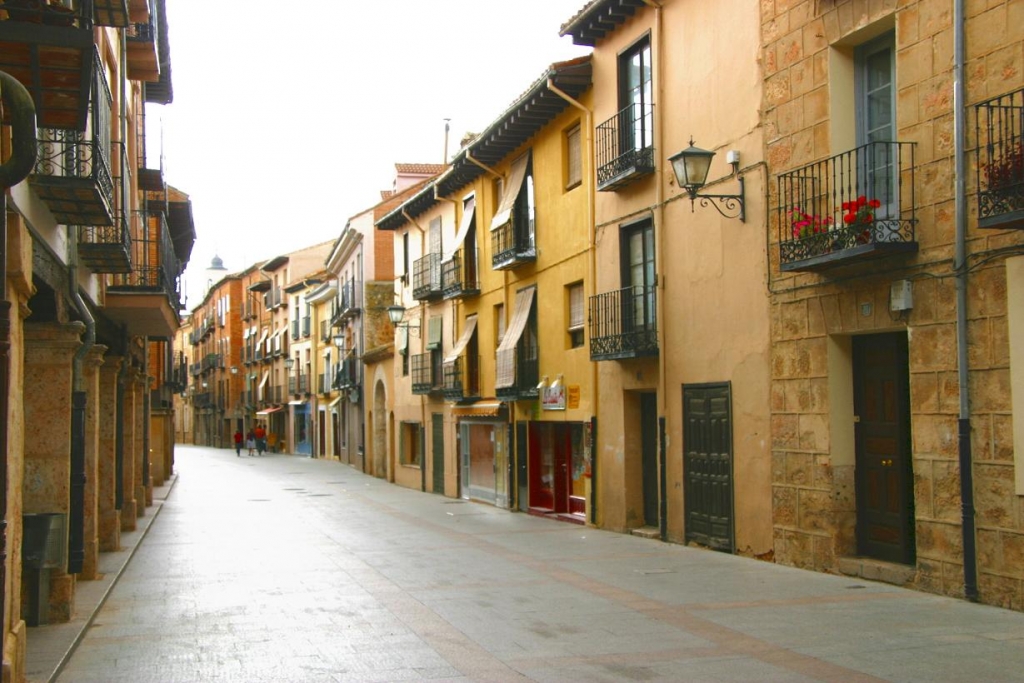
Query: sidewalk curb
column 49, row 647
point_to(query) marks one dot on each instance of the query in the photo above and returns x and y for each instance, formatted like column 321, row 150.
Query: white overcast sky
column 288, row 117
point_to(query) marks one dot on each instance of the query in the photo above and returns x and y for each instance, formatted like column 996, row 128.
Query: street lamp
column 339, row 340
column 691, row 168
column 395, row 314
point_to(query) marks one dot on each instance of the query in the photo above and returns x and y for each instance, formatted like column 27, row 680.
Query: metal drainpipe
column 76, row 508
column 964, row 423
column 590, row 288
column 22, row 113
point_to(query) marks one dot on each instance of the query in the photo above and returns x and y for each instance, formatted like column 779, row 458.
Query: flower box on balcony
column 1001, row 203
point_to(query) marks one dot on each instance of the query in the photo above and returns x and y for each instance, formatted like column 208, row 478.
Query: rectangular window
column 573, row 158
column 576, row 315
column 409, row 443
column 875, row 92
column 405, row 258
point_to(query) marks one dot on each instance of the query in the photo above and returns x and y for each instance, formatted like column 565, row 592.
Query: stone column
column 108, row 516
column 93, row 362
column 49, row 349
column 141, row 414
column 132, row 443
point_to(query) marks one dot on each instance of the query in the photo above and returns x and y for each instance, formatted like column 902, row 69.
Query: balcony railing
column 72, row 172
column 462, row 379
column 624, row 324
column 155, row 265
column 458, row 276
column 854, row 206
column 625, row 147
column 1000, row 133
column 423, row 381
column 527, row 375
column 426, row 278
column 108, row 248
column 349, row 300
column 513, row 243
column 347, row 374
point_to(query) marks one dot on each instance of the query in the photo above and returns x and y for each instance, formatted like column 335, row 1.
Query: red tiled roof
column 419, row 169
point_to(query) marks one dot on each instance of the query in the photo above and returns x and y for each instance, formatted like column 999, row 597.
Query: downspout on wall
column 967, row 527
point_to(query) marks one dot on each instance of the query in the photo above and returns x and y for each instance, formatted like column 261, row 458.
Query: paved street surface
column 284, row 568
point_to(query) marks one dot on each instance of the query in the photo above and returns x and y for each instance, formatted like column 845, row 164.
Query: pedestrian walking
column 250, row 442
column 238, row 443
column 261, row 439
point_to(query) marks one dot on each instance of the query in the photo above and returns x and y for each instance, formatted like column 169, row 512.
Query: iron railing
column 155, row 266
column 513, row 243
column 66, row 13
column 349, row 299
column 527, row 375
column 625, row 146
column 854, row 203
column 999, row 127
column 426, row 277
column 423, row 380
column 462, row 378
column 624, row 323
column 458, row 275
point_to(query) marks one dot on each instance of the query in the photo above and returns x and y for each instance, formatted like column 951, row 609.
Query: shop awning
column 479, row 409
column 512, row 186
column 268, row 411
column 460, row 345
column 507, row 349
column 460, row 236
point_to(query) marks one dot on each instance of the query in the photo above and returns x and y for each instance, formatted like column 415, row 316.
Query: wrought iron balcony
column 527, row 375
column 49, row 48
column 108, row 248
column 426, row 278
column 462, row 379
column 1000, row 133
column 110, row 13
column 347, row 374
column 459, row 276
column 852, row 207
column 72, row 172
column 624, row 324
column 349, row 299
column 513, row 243
column 423, row 379
column 625, row 147
column 143, row 50
column 147, row 299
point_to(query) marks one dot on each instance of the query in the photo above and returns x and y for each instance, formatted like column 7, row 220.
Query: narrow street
column 283, row 568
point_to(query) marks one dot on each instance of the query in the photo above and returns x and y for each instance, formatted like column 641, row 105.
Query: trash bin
column 42, row 549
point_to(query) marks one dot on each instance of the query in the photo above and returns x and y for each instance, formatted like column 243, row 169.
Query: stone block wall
column 814, row 502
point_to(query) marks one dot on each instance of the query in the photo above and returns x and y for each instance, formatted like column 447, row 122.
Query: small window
column 409, row 443
column 499, row 324
column 576, row 316
column 573, row 158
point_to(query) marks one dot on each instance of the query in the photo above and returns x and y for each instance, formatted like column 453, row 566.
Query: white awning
column 296, row 403
column 434, row 333
column 263, row 337
column 460, row 345
column 334, row 403
column 263, row 382
column 467, row 220
column 512, row 186
column 507, row 349
column 403, row 340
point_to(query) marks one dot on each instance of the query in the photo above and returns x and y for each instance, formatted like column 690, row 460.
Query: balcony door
column 875, row 94
column 639, row 277
column 635, row 98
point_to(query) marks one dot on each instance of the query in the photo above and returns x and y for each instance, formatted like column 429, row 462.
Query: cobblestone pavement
column 284, row 568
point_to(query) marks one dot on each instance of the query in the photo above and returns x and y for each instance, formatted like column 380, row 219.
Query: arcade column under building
column 108, row 516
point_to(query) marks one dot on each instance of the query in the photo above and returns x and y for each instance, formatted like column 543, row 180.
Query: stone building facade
column 878, row 407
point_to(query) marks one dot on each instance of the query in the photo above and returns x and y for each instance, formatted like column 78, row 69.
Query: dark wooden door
column 649, row 456
column 884, row 476
column 707, row 465
column 523, row 446
column 437, row 449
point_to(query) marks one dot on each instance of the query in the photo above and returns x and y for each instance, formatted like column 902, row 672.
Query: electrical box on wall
column 901, row 296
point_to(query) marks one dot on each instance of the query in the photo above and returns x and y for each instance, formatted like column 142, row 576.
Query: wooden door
column 649, row 456
column 707, row 465
column 884, row 471
column 437, row 448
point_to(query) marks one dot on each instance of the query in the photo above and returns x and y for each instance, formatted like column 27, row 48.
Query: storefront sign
column 552, row 398
column 573, row 396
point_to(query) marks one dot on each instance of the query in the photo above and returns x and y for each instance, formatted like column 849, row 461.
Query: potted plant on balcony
column 811, row 231
column 859, row 217
column 1005, row 181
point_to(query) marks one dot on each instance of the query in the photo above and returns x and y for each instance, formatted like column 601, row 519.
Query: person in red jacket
column 261, row 439
column 238, row 442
